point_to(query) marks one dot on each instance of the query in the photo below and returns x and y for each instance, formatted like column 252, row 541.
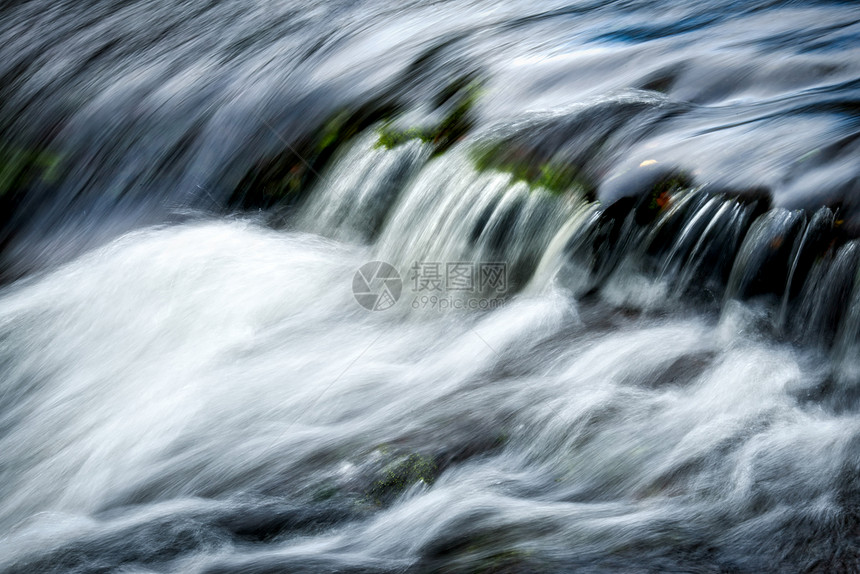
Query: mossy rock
column 21, row 172
column 461, row 96
column 659, row 196
column 510, row 561
column 325, row 492
column 21, row 169
column 464, row 83
column 285, row 176
column 552, row 175
column 390, row 137
column 459, row 121
column 506, row 562
column 488, row 551
column 400, row 475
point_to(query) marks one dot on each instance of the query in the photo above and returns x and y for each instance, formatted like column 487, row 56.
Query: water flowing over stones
column 667, row 379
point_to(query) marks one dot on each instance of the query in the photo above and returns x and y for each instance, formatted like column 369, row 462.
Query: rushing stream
column 605, row 318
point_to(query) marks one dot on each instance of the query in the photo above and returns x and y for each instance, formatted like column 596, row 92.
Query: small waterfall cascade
column 687, row 244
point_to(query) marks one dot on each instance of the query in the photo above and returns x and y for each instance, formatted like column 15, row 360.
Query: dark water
column 668, row 380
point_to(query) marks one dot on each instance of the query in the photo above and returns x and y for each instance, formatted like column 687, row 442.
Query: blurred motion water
column 150, row 107
column 669, row 382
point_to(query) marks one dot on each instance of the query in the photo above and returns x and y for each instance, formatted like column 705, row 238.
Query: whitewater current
column 211, row 397
column 432, row 287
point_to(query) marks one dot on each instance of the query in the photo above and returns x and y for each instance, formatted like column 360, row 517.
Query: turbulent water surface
column 665, row 376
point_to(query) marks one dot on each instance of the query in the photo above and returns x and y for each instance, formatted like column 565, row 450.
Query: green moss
column 284, row 176
column 459, row 120
column 453, row 127
column 331, row 131
column 559, row 178
column 21, row 169
column 390, row 138
column 343, row 126
column 400, row 475
column 553, row 176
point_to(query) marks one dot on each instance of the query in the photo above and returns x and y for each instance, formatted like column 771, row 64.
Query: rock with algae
column 553, row 175
column 23, row 171
column 460, row 97
column 399, row 475
column 283, row 177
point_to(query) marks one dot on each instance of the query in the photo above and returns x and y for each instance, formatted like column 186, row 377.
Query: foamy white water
column 217, row 378
column 657, row 368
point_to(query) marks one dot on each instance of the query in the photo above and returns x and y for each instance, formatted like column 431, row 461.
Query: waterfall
column 698, row 246
column 429, row 287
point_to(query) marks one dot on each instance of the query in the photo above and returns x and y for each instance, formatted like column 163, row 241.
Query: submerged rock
column 553, row 175
column 459, row 98
column 400, row 475
column 22, row 171
column 287, row 175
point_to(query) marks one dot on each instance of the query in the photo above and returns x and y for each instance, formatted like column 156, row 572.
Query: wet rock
column 286, row 176
column 650, row 183
column 400, row 475
column 763, row 263
column 458, row 100
column 23, row 171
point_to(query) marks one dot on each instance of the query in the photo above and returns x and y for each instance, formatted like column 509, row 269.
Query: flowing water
column 667, row 378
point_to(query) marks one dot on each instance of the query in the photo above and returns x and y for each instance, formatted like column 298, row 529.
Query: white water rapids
column 209, row 397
